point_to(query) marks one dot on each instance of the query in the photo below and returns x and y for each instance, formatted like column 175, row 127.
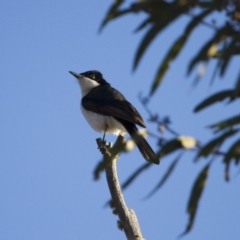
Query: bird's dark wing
column 111, row 103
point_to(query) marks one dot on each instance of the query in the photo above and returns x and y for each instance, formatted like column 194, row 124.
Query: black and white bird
column 108, row 111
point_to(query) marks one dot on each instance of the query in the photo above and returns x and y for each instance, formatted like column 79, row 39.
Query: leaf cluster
column 221, row 47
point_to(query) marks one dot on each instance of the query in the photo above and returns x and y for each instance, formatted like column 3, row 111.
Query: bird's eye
column 93, row 76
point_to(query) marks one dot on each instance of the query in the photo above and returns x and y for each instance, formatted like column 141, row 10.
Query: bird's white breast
column 87, row 85
column 101, row 123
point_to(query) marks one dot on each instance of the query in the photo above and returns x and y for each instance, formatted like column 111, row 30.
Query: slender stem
column 209, row 25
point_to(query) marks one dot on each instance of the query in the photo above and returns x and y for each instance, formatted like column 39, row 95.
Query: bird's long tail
column 141, row 143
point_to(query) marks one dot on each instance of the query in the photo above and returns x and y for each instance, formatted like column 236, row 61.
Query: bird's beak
column 76, row 75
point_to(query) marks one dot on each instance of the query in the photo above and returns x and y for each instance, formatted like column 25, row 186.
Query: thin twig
column 209, row 25
column 155, row 119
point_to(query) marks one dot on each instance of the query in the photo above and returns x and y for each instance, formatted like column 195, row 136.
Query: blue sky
column 48, row 151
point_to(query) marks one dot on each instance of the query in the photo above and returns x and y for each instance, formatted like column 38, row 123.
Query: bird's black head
column 95, row 75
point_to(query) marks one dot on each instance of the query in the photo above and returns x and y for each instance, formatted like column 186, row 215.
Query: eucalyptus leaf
column 211, row 146
column 135, row 174
column 176, row 48
column 165, row 176
column 226, row 123
column 162, row 15
column 169, row 147
column 195, row 197
column 232, row 154
column 217, row 97
column 204, row 53
column 112, row 13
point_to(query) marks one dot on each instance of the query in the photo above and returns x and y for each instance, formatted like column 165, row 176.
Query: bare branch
column 127, row 217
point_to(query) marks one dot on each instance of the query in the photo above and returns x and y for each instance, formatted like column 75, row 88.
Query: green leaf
column 196, row 20
column 176, row 48
column 213, row 4
column 165, row 176
column 133, row 176
column 214, row 143
column 232, row 154
column 172, row 54
column 113, row 13
column 220, row 96
column 144, row 24
column 169, row 147
column 163, row 14
column 229, row 49
column 226, row 123
column 155, row 29
column 203, row 54
column 217, row 67
column 227, row 53
column 237, row 87
column 195, row 196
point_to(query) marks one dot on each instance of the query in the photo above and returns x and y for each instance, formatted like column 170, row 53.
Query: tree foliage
column 223, row 46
